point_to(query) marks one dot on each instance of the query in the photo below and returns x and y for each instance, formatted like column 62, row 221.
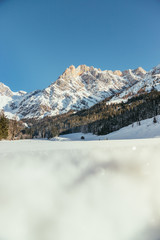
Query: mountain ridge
column 76, row 89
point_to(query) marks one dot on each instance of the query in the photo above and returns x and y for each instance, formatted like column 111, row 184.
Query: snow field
column 146, row 129
column 93, row 190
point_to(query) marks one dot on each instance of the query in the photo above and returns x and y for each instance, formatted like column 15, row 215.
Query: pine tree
column 4, row 125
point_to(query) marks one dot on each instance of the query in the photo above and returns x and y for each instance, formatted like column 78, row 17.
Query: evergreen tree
column 4, row 125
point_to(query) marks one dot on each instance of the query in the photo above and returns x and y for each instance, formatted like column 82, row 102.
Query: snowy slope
column 76, row 89
column 150, row 81
column 9, row 101
column 80, row 190
column 146, row 129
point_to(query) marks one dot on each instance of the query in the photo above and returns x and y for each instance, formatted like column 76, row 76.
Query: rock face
column 140, row 71
column 118, row 73
column 5, row 91
column 76, row 89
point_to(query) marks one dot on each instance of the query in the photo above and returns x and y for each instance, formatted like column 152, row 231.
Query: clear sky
column 39, row 39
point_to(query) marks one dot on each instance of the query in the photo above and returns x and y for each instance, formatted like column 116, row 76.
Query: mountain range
column 77, row 89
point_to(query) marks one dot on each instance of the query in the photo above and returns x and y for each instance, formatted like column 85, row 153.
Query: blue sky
column 39, row 39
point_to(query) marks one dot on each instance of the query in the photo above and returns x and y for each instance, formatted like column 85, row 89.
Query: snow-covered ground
column 82, row 190
column 77, row 137
column 146, row 129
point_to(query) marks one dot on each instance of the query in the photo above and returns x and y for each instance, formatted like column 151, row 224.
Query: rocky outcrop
column 118, row 73
column 140, row 72
column 5, row 91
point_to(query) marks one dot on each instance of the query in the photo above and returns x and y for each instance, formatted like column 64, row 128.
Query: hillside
column 149, row 128
column 101, row 119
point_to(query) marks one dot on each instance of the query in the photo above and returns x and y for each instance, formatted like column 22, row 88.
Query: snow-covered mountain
column 76, row 89
column 9, row 99
column 150, row 81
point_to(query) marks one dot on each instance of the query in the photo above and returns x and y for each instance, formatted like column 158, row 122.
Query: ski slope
column 90, row 190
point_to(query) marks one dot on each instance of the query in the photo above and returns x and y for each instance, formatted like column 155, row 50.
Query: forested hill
column 100, row 119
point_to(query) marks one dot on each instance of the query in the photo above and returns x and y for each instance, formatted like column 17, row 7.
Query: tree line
column 10, row 129
column 100, row 119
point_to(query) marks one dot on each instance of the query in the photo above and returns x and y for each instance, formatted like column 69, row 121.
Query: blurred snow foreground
column 80, row 190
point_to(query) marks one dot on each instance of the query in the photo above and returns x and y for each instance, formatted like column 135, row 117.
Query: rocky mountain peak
column 118, row 73
column 68, row 71
column 156, row 70
column 82, row 68
column 140, row 71
column 74, row 72
column 5, row 91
